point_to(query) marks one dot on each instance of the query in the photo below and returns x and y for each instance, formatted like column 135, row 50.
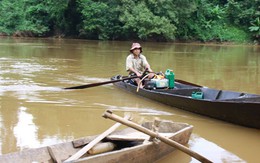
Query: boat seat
column 228, row 95
column 211, row 94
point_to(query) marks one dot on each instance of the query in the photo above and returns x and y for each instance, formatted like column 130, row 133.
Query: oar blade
column 91, row 85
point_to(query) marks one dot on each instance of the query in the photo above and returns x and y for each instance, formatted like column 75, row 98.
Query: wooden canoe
column 130, row 146
column 234, row 107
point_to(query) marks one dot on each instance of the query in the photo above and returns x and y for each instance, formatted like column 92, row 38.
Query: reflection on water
column 35, row 111
column 25, row 131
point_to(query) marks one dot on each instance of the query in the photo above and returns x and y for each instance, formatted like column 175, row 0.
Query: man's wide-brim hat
column 136, row 46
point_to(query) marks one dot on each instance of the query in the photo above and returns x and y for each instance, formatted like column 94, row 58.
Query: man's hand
column 138, row 74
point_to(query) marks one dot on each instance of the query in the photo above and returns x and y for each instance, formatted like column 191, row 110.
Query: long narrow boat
column 130, row 146
column 234, row 107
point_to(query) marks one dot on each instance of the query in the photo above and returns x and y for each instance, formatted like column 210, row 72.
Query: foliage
column 145, row 23
column 160, row 20
column 244, row 14
column 9, row 19
column 99, row 20
column 36, row 16
column 255, row 28
column 203, row 21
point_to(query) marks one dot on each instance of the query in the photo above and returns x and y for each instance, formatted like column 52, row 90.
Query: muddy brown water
column 35, row 111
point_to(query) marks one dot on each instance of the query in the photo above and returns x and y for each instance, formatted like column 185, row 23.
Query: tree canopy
column 159, row 20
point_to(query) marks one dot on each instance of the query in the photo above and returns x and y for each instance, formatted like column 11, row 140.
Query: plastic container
column 149, row 84
column 161, row 83
column 170, row 76
column 197, row 95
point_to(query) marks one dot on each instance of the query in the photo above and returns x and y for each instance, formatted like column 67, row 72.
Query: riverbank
column 194, row 42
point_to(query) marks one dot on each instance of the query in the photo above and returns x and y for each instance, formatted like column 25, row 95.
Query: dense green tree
column 10, row 11
column 127, row 19
column 161, row 20
column 210, row 23
column 146, row 23
column 245, row 14
column 36, row 16
column 99, row 20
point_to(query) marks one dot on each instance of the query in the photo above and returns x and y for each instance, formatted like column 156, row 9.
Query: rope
column 139, row 84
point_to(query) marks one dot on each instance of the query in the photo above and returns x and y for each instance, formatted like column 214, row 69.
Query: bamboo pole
column 108, row 114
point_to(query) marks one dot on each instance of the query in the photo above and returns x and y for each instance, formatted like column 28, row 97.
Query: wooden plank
column 94, row 142
column 83, row 141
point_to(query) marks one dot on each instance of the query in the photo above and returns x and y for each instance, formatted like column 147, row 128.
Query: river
column 35, row 111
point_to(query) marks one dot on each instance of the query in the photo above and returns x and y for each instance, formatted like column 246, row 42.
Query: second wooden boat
column 129, row 146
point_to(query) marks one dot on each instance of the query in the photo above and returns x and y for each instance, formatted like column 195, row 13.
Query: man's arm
column 134, row 71
column 148, row 68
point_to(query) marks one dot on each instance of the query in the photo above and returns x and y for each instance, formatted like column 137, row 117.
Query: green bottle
column 170, row 76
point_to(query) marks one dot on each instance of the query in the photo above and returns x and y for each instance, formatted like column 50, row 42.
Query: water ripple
column 142, row 111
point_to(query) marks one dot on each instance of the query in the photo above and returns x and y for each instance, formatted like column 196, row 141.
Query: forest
column 147, row 20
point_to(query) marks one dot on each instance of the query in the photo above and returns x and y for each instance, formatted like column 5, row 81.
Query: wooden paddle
column 106, row 82
column 95, row 141
column 108, row 114
column 100, row 83
column 114, row 81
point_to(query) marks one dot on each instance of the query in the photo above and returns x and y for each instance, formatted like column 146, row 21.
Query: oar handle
column 108, row 114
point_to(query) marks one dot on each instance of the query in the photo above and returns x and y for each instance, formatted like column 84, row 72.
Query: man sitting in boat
column 136, row 63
